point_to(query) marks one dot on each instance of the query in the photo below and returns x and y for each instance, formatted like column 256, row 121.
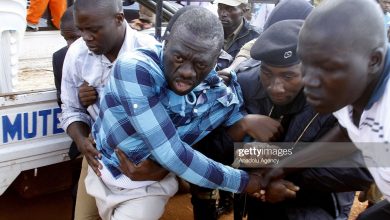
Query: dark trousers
column 204, row 203
column 379, row 211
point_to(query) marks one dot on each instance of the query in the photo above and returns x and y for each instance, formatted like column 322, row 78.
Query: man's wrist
column 254, row 185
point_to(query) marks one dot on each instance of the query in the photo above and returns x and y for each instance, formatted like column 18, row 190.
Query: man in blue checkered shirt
column 160, row 101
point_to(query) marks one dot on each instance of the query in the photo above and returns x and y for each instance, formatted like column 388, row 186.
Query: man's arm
column 74, row 118
column 243, row 55
column 79, row 132
column 72, row 109
column 319, row 153
column 314, row 155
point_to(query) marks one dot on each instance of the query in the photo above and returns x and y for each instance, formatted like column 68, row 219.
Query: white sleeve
column 72, row 110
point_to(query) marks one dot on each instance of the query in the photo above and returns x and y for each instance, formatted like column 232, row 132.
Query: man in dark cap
column 346, row 71
column 204, row 201
column 278, row 93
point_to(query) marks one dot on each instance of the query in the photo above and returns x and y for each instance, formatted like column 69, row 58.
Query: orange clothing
column 38, row 7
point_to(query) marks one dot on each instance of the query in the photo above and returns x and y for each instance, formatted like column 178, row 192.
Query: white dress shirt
column 372, row 137
column 81, row 65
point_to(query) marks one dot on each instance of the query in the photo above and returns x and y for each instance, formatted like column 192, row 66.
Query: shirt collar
column 129, row 37
column 228, row 41
column 238, row 29
column 294, row 107
column 382, row 82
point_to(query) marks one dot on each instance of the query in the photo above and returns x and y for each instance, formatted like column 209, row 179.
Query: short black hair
column 67, row 18
column 364, row 30
column 174, row 18
column 113, row 6
column 200, row 22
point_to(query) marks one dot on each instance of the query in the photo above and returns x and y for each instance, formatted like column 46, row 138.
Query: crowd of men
column 144, row 113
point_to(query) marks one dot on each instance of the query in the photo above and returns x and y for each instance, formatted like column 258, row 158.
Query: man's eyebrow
column 176, row 51
column 289, row 72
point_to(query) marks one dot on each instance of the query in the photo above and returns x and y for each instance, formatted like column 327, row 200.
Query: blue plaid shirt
column 141, row 116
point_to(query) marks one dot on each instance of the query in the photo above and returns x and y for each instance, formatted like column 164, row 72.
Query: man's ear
column 119, row 18
column 377, row 60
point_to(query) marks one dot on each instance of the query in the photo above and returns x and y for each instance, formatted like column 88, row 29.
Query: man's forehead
column 190, row 40
column 190, row 50
column 91, row 18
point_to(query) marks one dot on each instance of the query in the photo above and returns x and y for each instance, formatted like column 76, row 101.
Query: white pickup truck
column 30, row 135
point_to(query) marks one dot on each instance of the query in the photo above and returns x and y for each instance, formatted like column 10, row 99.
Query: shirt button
column 204, row 91
column 195, row 110
column 135, row 106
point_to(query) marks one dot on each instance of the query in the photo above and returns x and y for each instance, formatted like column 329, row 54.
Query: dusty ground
column 179, row 208
column 59, row 205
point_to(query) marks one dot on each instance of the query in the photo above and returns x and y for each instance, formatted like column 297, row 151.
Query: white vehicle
column 30, row 134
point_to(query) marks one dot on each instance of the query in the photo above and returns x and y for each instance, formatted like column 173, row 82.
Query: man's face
column 70, row 33
column 98, row 29
column 334, row 75
column 187, row 61
column 230, row 16
column 385, row 5
column 281, row 83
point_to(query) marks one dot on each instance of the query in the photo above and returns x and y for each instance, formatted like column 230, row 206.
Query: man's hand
column 268, row 174
column 280, row 190
column 87, row 147
column 225, row 75
column 260, row 127
column 146, row 170
column 87, row 94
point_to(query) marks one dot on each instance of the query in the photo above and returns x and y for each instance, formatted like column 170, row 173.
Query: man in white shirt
column 346, row 70
column 87, row 66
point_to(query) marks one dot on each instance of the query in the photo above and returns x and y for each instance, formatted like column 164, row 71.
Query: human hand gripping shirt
column 141, row 116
